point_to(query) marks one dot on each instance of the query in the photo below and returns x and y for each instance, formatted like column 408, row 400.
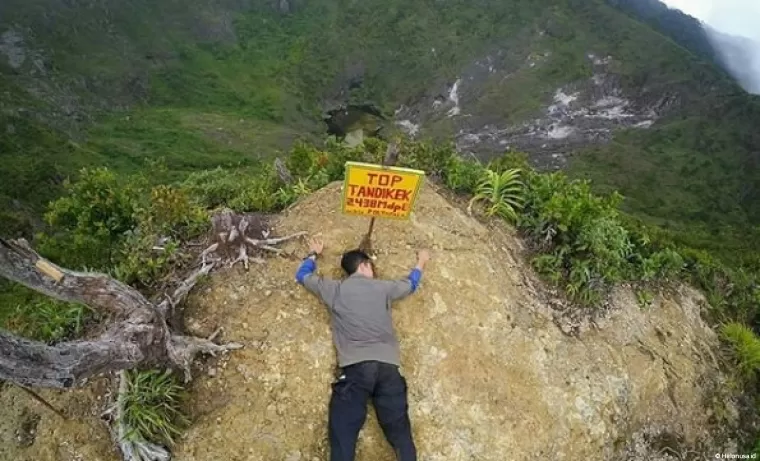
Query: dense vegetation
column 582, row 242
column 204, row 85
column 119, row 134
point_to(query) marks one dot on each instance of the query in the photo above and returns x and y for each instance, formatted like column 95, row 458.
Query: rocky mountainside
column 495, row 370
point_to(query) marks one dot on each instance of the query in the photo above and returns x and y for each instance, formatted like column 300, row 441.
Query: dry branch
column 19, row 263
column 137, row 335
column 282, row 171
column 184, row 289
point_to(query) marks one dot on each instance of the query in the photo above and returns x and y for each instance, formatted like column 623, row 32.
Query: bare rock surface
column 491, row 376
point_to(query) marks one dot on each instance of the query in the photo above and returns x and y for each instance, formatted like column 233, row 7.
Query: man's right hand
column 316, row 245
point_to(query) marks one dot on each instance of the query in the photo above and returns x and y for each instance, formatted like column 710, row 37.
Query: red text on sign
column 384, row 179
column 380, row 192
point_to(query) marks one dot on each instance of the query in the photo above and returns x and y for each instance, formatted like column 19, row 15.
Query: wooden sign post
column 391, row 157
column 380, row 191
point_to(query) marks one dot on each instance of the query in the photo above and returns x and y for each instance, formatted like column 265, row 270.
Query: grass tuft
column 152, row 407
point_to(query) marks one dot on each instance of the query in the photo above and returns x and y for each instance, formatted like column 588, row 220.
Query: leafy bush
column 503, row 191
column 432, row 159
column 301, row 160
column 663, row 264
column 509, row 161
column 172, row 212
column 257, row 194
column 734, row 293
column 214, row 188
column 89, row 221
column 337, row 156
column 463, row 175
column 579, row 235
column 144, row 263
column 152, row 407
column 746, row 347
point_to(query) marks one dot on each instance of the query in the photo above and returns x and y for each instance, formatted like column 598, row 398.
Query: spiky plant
column 503, row 192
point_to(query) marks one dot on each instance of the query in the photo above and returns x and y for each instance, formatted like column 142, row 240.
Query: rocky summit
column 492, row 374
column 155, row 140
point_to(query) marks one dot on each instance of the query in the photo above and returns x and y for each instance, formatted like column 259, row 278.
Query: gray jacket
column 360, row 311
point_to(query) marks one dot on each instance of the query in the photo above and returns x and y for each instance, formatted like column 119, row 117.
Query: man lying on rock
column 368, row 351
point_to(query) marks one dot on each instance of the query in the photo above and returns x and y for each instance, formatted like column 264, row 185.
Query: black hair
column 352, row 260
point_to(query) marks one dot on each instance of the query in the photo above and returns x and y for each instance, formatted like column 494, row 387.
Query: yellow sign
column 383, row 192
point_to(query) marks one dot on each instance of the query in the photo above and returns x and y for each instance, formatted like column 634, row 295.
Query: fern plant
column 504, row 193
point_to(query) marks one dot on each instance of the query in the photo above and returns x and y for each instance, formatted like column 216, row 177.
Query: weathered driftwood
column 137, row 334
column 235, row 235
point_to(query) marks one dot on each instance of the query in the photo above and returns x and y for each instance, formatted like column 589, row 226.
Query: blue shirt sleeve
column 306, row 268
column 415, row 276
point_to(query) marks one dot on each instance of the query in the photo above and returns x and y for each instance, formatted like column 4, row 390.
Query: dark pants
column 386, row 387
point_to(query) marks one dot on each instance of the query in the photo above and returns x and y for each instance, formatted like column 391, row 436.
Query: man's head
column 357, row 262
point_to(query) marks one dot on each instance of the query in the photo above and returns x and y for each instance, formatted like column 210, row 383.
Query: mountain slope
column 492, row 372
column 735, row 55
column 133, row 81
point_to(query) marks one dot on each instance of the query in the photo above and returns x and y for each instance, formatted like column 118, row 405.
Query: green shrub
column 745, row 345
column 152, row 407
column 143, row 261
column 463, row 175
column 172, row 212
column 258, row 194
column 430, row 158
column 301, row 160
column 734, row 293
column 214, row 188
column 320, row 178
column 241, row 191
column 503, row 191
column 667, row 263
column 90, row 220
column 579, row 235
column 333, row 160
column 510, row 161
